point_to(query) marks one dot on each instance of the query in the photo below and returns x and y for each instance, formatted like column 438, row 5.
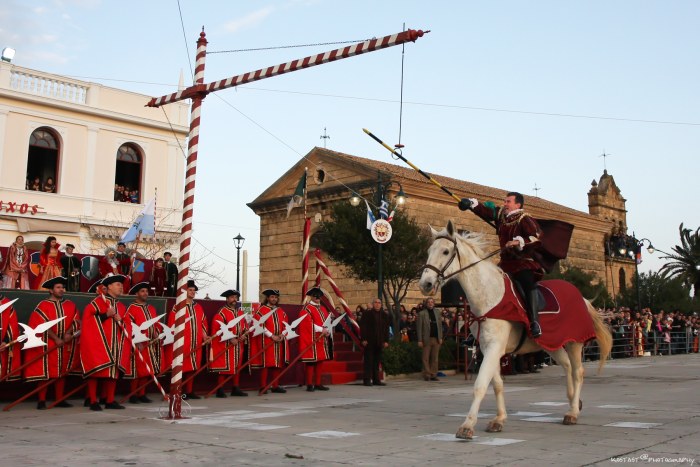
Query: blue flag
column 370, row 216
column 384, row 209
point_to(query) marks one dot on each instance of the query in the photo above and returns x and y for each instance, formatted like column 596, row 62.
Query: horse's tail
column 602, row 335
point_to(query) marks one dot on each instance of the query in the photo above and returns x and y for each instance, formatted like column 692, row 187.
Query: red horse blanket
column 564, row 318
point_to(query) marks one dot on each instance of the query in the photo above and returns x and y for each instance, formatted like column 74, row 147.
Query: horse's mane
column 475, row 240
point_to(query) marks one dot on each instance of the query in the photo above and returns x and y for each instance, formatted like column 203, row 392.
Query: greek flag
column 384, row 209
column 370, row 217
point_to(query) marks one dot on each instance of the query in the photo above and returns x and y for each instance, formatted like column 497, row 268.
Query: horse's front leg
column 496, row 424
column 489, row 367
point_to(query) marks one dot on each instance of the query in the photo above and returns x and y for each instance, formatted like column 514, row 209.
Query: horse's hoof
column 570, row 420
column 465, row 433
column 580, row 404
column 494, row 427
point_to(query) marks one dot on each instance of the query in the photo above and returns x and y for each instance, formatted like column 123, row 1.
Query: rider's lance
column 400, row 156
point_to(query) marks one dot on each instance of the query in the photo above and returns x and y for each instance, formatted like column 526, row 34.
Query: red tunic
column 104, row 348
column 515, row 226
column 56, row 362
column 9, row 331
column 158, row 281
column 277, row 354
column 226, row 356
column 322, row 349
column 195, row 329
column 138, row 314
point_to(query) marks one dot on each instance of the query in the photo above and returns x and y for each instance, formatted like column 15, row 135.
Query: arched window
column 623, row 280
column 42, row 161
column 127, row 179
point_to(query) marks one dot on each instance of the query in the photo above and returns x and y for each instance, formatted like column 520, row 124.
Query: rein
column 455, row 254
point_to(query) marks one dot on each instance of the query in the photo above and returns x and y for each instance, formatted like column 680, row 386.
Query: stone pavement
column 642, row 411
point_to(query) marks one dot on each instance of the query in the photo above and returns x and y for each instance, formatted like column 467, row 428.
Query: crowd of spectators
column 36, row 184
column 645, row 333
column 126, row 194
column 635, row 334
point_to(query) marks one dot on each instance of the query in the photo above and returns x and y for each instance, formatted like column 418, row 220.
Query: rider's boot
column 533, row 314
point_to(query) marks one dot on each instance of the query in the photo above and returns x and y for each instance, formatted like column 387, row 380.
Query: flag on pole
column 298, row 197
column 144, row 224
column 370, row 217
column 384, row 209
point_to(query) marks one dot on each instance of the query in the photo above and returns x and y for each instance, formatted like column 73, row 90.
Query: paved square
column 641, row 408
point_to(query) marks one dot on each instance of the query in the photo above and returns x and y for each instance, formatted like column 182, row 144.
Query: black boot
column 221, row 394
column 236, row 392
column 533, row 314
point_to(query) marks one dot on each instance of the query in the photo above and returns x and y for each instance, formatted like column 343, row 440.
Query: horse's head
column 447, row 256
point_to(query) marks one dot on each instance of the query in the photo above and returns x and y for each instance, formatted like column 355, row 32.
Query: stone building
column 332, row 176
column 81, row 139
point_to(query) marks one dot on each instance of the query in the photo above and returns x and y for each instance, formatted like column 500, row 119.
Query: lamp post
column 633, row 253
column 380, row 194
column 238, row 241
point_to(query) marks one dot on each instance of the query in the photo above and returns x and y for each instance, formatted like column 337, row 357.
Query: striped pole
column 305, row 259
column 175, row 410
column 334, row 286
column 409, row 35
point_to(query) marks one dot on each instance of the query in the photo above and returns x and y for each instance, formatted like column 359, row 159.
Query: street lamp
column 380, row 195
column 238, row 241
column 8, row 53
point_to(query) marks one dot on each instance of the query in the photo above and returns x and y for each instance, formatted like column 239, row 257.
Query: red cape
column 104, row 349
column 321, row 350
column 226, row 356
column 9, row 330
column 136, row 368
column 565, row 317
column 276, row 355
column 55, row 362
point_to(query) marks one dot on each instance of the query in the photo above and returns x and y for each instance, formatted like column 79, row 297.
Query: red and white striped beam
column 179, row 350
column 200, row 89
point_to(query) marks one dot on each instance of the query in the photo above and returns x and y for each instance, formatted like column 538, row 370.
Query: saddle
column 546, row 301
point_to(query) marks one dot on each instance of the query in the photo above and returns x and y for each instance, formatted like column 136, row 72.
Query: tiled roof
column 457, row 186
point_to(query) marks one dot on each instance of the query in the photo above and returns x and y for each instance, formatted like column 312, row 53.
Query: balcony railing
column 46, row 85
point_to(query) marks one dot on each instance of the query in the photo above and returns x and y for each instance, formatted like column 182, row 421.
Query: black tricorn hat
column 56, row 280
column 70, row 245
column 268, row 292
column 112, row 279
column 93, row 287
column 139, row 286
column 230, row 292
column 315, row 292
column 191, row 284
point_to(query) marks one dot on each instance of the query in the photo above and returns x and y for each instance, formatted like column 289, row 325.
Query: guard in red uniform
column 9, row 354
column 315, row 340
column 105, row 347
column 519, row 235
column 59, row 353
column 226, row 351
column 196, row 331
column 141, row 370
column 276, row 355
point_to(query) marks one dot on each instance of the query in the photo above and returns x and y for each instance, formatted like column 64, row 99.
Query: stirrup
column 535, row 329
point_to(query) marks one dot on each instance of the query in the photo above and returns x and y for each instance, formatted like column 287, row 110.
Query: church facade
column 333, row 176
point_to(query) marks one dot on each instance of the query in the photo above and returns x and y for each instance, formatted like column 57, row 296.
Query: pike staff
column 427, row 176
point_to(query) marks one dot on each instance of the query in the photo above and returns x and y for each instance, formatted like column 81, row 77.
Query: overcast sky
column 504, row 93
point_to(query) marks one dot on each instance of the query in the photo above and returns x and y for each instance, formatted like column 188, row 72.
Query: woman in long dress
column 16, row 268
column 49, row 261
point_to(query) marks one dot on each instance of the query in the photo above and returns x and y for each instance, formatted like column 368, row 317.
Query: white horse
column 462, row 257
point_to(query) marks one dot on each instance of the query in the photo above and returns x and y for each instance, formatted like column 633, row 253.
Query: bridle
column 441, row 277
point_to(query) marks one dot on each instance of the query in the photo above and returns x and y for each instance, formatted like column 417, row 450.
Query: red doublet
column 321, row 350
column 277, row 354
column 226, row 355
column 138, row 314
column 104, row 349
column 195, row 329
column 516, row 226
column 9, row 331
column 55, row 362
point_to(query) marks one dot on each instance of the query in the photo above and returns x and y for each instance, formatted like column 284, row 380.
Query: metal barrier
column 633, row 341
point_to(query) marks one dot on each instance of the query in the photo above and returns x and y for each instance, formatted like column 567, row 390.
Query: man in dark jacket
column 374, row 328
